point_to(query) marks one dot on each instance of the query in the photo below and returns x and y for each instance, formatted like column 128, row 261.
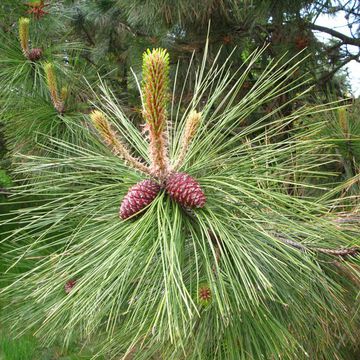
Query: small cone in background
column 204, row 295
column 69, row 285
column 138, row 197
column 24, row 24
column 155, row 92
column 109, row 137
column 35, row 54
column 185, row 190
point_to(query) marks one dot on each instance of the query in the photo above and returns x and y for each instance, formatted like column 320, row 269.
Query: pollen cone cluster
column 181, row 187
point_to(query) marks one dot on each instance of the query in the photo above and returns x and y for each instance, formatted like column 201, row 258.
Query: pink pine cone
column 138, row 197
column 185, row 190
column 69, row 285
column 35, row 54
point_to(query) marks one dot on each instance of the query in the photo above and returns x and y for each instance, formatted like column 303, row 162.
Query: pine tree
column 205, row 208
column 242, row 276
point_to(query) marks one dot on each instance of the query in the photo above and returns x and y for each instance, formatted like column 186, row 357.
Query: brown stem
column 346, row 39
column 109, row 137
column 325, row 77
column 342, row 252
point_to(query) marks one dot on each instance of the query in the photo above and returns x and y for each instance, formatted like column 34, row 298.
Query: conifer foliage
column 238, row 274
column 197, row 228
column 181, row 187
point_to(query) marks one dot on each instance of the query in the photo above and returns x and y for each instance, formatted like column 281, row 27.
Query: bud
column 191, row 126
column 52, row 85
column 64, row 93
column 155, row 93
column 24, row 24
column 343, row 121
column 110, row 139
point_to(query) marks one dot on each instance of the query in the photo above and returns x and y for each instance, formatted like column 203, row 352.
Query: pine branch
column 110, row 139
column 53, row 88
column 330, row 74
column 88, row 35
column 155, row 92
column 343, row 252
column 191, row 126
column 346, row 39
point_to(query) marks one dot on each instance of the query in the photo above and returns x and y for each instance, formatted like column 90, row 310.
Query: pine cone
column 185, row 190
column 138, row 197
column 35, row 54
column 69, row 285
column 204, row 295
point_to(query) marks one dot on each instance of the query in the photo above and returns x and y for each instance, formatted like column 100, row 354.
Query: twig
column 343, row 252
column 4, row 191
column 346, row 39
column 328, row 75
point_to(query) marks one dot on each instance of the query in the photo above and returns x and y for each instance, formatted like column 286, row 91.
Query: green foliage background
column 274, row 164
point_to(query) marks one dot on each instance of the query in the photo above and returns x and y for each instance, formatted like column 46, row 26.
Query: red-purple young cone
column 35, row 54
column 69, row 285
column 204, row 295
column 138, row 197
column 185, row 190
